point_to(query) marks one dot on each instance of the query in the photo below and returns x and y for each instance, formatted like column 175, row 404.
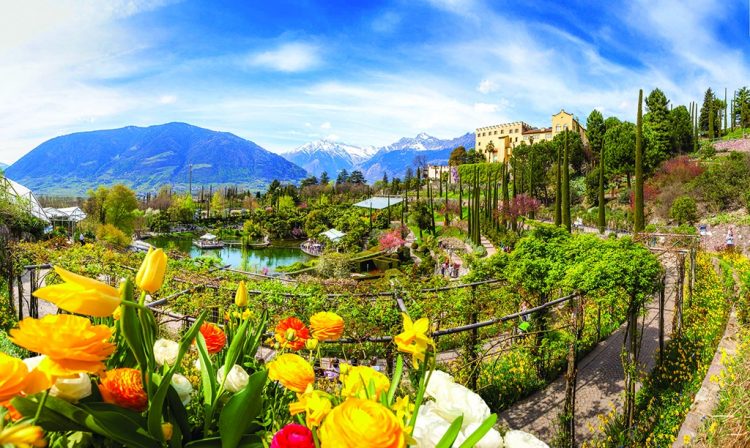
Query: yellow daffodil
column 240, row 297
column 403, row 408
column 314, row 403
column 150, row 276
column 414, row 339
column 81, row 295
column 22, row 435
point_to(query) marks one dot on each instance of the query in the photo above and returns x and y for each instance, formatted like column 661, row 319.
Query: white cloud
column 332, row 137
column 167, row 99
column 487, row 86
column 485, row 107
column 289, row 57
column 326, row 125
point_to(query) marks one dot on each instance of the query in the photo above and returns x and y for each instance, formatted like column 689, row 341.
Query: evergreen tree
column 357, row 177
column 343, row 177
column 639, row 218
column 709, row 114
column 558, row 188
column 457, row 157
column 566, row 183
column 595, row 130
column 658, row 120
column 742, row 107
column 601, row 221
column 725, row 110
column 681, row 128
column 324, row 178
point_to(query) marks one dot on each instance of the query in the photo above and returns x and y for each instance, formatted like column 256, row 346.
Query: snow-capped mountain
column 329, row 156
column 422, row 142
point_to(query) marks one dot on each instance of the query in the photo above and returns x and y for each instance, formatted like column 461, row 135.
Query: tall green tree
column 119, row 207
column 458, row 156
column 558, row 187
column 619, row 141
column 566, row 183
column 658, row 120
column 639, row 217
column 681, row 129
column 742, row 108
column 709, row 114
column 595, row 130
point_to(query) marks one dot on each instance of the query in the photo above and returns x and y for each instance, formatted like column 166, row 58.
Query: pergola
column 378, row 203
column 333, row 234
column 66, row 216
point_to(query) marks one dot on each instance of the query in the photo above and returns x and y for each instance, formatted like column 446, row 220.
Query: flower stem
column 39, row 408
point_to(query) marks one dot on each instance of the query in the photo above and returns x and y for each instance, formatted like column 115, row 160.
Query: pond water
column 252, row 260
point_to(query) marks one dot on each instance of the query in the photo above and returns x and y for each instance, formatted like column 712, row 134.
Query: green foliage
column 595, row 130
column 112, row 235
column 458, row 156
column 681, row 132
column 725, row 181
column 119, row 206
column 684, row 210
column 619, row 141
column 657, row 119
column 334, row 265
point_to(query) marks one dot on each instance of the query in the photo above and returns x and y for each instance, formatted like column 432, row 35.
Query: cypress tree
column 566, row 184
column 506, row 198
column 725, row 110
column 558, row 191
column 695, row 127
column 460, row 199
column 513, row 222
column 419, row 183
column 639, row 219
column 602, row 216
column 711, row 132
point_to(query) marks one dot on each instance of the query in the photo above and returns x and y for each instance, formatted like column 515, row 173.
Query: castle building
column 496, row 142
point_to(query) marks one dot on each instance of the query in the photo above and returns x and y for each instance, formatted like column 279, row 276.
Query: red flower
column 293, row 436
column 214, row 336
column 292, row 333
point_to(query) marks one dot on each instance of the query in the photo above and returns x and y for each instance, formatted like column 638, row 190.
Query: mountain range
column 178, row 153
column 147, row 157
column 393, row 160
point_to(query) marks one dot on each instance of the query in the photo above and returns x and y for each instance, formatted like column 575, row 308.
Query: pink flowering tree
column 391, row 240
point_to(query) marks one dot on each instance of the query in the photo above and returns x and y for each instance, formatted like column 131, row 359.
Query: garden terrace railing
column 261, row 276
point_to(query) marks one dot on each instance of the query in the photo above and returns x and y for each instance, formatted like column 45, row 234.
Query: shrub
column 113, row 236
column 334, row 265
column 684, row 210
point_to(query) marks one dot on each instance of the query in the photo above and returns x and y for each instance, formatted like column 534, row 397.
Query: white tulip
column 183, row 387
column 236, row 379
column 72, row 389
column 492, row 439
column 165, row 352
column 520, row 439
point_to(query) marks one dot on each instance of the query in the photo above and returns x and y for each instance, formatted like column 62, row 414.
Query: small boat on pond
column 312, row 248
column 258, row 245
column 208, row 241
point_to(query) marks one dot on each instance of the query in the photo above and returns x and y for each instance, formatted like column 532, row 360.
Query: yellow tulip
column 240, row 297
column 81, row 295
column 150, row 276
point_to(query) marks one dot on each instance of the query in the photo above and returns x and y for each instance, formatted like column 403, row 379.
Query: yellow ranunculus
column 71, row 344
column 326, row 326
column 240, row 297
column 414, row 339
column 150, row 276
column 358, row 423
column 356, row 381
column 314, row 403
column 81, row 295
column 292, row 371
column 22, row 435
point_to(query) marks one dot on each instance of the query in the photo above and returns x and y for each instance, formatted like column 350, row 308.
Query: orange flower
column 22, row 435
column 214, row 336
column 292, row 333
column 13, row 377
column 124, row 388
column 326, row 326
column 292, row 371
column 71, row 344
column 13, row 413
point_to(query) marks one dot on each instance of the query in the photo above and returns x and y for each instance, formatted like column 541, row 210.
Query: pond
column 252, row 260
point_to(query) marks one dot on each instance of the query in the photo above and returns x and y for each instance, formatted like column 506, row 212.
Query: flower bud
column 240, row 297
column 236, row 379
column 166, row 431
column 72, row 389
column 311, row 344
column 165, row 352
column 150, row 276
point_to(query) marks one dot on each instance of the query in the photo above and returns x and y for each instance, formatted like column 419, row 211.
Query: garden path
column 488, row 246
column 600, row 379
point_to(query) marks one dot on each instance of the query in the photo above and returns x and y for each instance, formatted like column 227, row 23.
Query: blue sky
column 285, row 72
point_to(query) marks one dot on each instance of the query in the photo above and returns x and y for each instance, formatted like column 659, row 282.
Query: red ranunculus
column 293, row 436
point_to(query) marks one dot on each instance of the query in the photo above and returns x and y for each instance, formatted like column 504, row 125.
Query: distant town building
column 437, row 172
column 496, row 142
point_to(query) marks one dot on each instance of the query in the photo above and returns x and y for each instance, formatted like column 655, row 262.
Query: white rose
column 520, row 439
column 431, row 427
column 165, row 352
column 438, row 381
column 454, row 400
column 72, row 389
column 183, row 387
column 33, row 362
column 236, row 379
column 492, row 439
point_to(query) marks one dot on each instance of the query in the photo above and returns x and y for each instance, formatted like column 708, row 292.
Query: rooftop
column 378, row 202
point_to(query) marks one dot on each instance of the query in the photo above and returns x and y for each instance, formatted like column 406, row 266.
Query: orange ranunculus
column 356, row 381
column 292, row 371
column 214, row 336
column 124, row 388
column 13, row 377
column 22, row 435
column 292, row 333
column 81, row 295
column 71, row 344
column 358, row 423
column 150, row 275
column 12, row 413
column 326, row 326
